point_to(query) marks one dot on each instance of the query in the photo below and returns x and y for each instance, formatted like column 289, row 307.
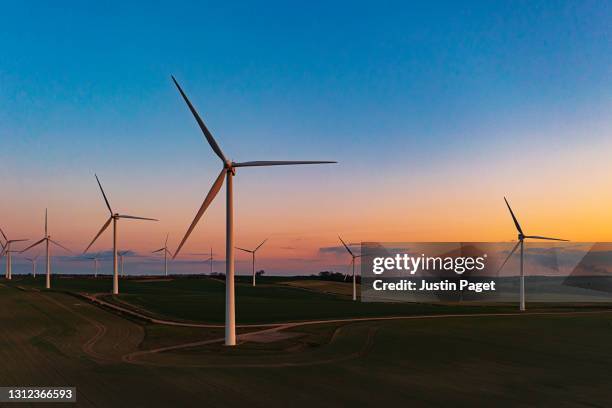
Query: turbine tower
column 96, row 260
column 252, row 252
column 6, row 250
column 114, row 217
column 33, row 261
column 121, row 254
column 353, row 256
column 166, row 253
column 210, row 259
column 521, row 239
column 227, row 172
column 47, row 239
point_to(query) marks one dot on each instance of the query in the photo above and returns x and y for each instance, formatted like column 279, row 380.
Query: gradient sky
column 435, row 111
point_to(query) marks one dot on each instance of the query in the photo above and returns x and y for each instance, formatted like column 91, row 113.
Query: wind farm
column 302, row 206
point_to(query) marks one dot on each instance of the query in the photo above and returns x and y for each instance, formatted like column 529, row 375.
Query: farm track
column 266, row 328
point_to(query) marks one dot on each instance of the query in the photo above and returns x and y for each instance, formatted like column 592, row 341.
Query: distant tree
column 260, row 273
column 332, row 276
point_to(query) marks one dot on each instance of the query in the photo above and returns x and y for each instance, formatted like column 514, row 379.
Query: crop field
column 57, row 338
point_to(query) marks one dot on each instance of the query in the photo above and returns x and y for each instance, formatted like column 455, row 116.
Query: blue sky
column 417, row 89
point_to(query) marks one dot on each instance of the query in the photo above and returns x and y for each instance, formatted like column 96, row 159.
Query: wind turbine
column 227, row 172
column 114, row 217
column 96, row 260
column 252, row 252
column 8, row 251
column 166, row 252
column 33, row 261
column 121, row 254
column 47, row 239
column 353, row 256
column 210, row 259
column 521, row 239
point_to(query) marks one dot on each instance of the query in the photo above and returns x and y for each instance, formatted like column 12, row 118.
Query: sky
column 434, row 110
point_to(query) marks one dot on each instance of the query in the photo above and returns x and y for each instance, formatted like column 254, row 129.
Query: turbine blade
column 209, row 137
column 167, row 236
column 516, row 223
column 245, row 250
column 59, row 245
column 158, row 250
column 46, row 223
column 259, row 246
column 3, row 234
column 104, row 227
column 104, row 195
column 33, row 245
column 546, row 238
column 131, row 217
column 18, row 240
column 278, row 163
column 214, row 190
column 508, row 257
column 346, row 246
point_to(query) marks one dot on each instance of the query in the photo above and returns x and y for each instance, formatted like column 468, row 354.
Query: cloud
column 332, row 250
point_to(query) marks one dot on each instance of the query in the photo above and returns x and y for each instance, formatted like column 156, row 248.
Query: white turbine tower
column 227, row 172
column 521, row 239
column 114, row 217
column 8, row 251
column 210, row 259
column 96, row 260
column 353, row 256
column 47, row 239
column 166, row 253
column 34, row 261
column 121, row 254
column 252, row 252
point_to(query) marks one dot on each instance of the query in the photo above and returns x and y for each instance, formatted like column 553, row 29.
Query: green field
column 56, row 338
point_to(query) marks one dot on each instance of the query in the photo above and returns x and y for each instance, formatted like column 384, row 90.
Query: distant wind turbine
column 210, row 259
column 33, row 261
column 96, row 260
column 521, row 239
column 47, row 239
column 227, row 172
column 121, row 254
column 6, row 250
column 353, row 256
column 252, row 252
column 113, row 217
column 166, row 253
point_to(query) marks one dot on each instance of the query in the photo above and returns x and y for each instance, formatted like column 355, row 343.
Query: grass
column 272, row 300
column 46, row 339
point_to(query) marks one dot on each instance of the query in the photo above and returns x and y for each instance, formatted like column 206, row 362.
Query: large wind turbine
column 227, row 172
column 47, row 239
column 8, row 251
column 114, row 217
column 166, row 253
column 34, row 262
column 353, row 256
column 521, row 239
column 252, row 252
